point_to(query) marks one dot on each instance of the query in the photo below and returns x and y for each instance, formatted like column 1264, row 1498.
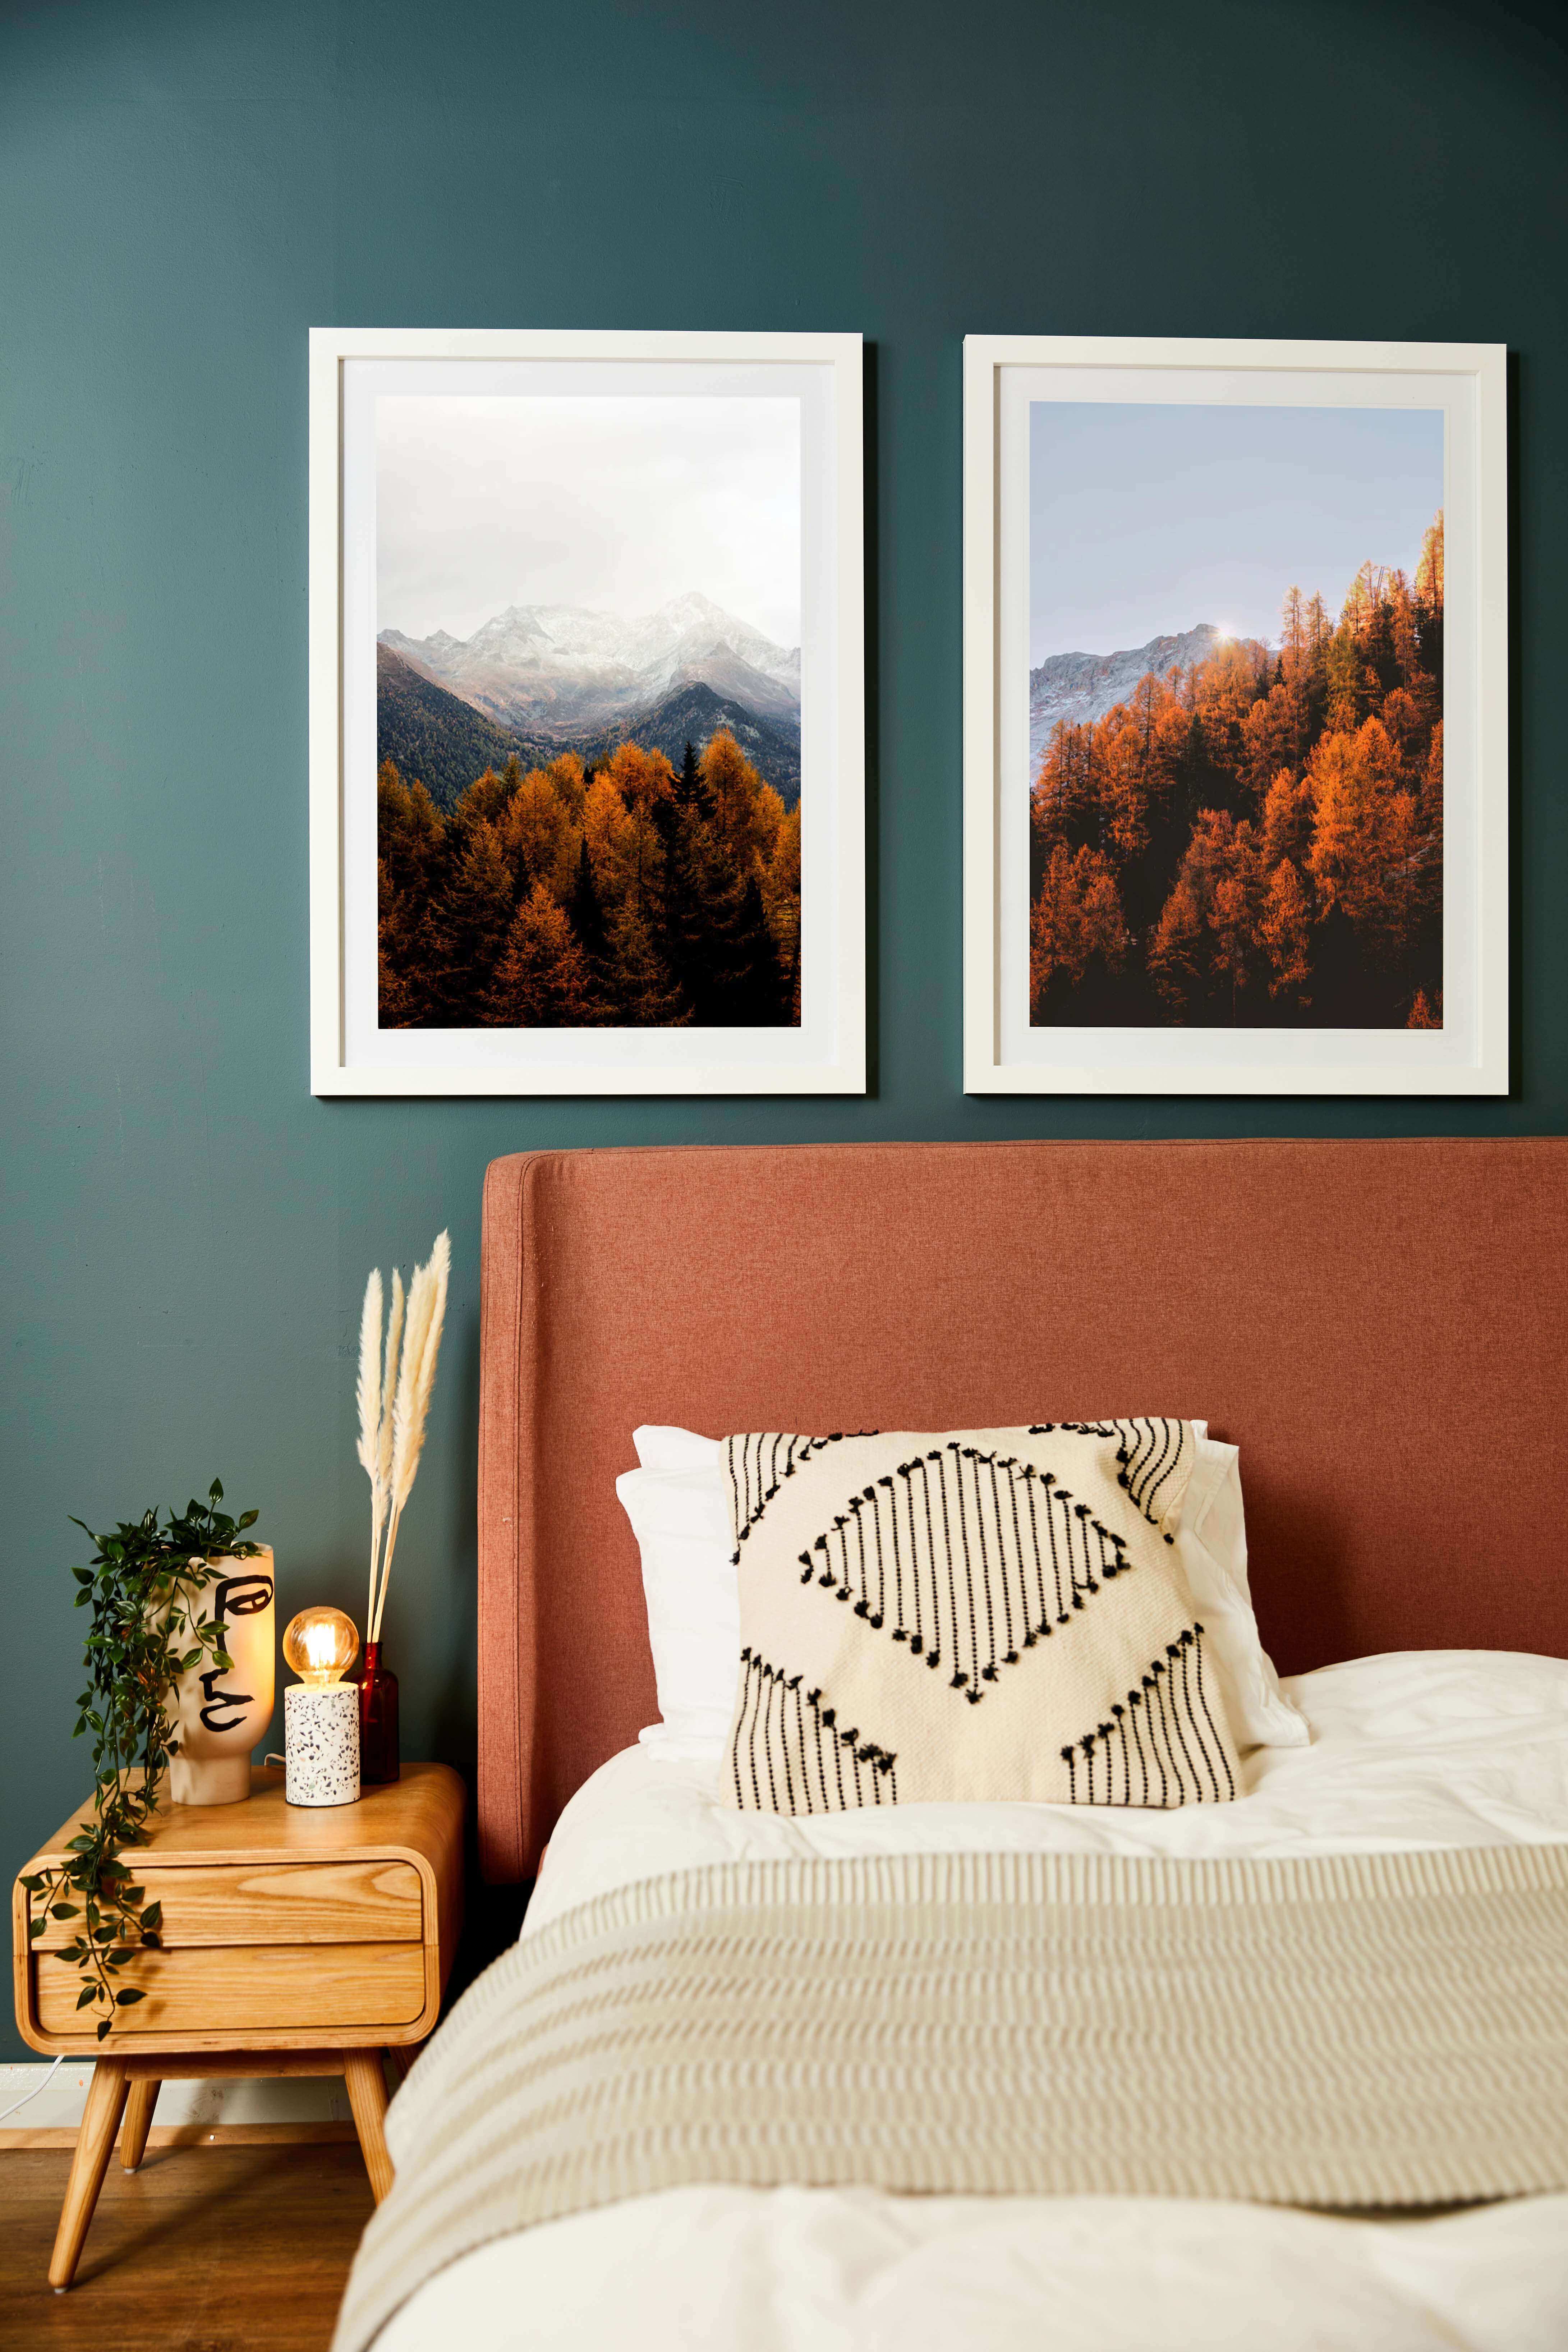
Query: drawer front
column 280, row 1903
column 248, row 1988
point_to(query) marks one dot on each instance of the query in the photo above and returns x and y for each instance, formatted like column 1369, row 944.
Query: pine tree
column 471, row 926
column 755, row 996
column 585, row 908
column 483, row 800
column 780, row 897
column 535, row 830
column 1175, row 953
column 1432, row 785
column 1286, row 929
column 541, row 980
column 1364, row 858
column 1287, row 818
column 646, row 994
column 1076, row 919
column 1429, row 571
column 704, row 930
column 585, row 914
column 1292, row 631
column 745, row 815
column 411, row 856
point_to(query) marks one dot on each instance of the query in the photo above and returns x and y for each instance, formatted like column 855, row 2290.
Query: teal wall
column 185, row 190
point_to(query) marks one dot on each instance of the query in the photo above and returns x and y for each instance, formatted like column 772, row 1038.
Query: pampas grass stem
column 406, row 1408
column 368, row 1398
column 382, row 1493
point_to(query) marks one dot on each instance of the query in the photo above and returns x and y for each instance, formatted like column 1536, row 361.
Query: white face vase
column 221, row 1713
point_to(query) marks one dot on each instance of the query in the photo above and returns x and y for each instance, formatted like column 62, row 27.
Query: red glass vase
column 378, row 1720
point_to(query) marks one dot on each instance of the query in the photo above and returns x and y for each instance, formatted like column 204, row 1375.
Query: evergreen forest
column 629, row 893
column 1257, row 840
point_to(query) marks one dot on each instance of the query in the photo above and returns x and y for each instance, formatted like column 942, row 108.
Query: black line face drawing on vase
column 221, row 1713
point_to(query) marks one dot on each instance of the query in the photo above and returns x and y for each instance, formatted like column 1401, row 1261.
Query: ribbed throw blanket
column 1370, row 2029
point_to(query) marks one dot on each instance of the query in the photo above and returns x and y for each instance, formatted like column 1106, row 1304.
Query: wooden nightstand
column 295, row 1941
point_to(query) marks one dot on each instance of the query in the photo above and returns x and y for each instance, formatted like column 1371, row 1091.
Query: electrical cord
column 49, row 2078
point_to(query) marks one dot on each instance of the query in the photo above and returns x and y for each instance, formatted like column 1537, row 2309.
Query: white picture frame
column 350, row 1054
column 1468, row 1054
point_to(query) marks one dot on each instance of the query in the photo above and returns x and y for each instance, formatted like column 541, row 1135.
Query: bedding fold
column 1346, row 2030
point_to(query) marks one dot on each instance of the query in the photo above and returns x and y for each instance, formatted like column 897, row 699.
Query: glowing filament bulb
column 321, row 1645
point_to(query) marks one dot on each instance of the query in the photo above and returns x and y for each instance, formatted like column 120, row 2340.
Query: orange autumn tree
column 1076, row 918
column 541, row 980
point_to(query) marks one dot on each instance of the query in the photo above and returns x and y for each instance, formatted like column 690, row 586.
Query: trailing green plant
column 143, row 1589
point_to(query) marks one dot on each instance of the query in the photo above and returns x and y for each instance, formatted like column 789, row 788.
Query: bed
column 1382, row 1328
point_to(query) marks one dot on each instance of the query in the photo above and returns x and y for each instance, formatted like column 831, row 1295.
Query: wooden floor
column 204, row 2249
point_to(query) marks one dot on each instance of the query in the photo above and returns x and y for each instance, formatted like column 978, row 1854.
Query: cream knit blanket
column 1370, row 2029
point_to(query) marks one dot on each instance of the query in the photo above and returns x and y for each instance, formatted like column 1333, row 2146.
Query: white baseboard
column 301, row 2099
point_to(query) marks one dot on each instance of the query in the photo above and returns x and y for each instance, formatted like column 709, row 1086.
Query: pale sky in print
column 1146, row 518
column 618, row 502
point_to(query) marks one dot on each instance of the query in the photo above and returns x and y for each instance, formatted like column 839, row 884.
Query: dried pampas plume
column 367, row 1396
column 394, row 1396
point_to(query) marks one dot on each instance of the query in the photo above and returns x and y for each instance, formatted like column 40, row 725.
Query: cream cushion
column 970, row 1616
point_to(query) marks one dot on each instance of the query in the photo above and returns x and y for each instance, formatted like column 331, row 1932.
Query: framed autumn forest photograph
column 587, row 713
column 1235, row 718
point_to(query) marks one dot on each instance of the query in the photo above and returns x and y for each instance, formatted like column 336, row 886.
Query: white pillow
column 680, row 1516
column 1211, row 1543
column 681, row 1521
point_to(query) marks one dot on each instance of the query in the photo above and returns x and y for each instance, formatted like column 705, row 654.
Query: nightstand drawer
column 249, row 1988
column 277, row 1902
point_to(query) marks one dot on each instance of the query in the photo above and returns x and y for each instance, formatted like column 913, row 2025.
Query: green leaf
column 104, row 2027
column 154, row 1915
column 66, row 1911
column 37, row 1927
column 87, row 1993
column 128, row 1993
column 33, row 1882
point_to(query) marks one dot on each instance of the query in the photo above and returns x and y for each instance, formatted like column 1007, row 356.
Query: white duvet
column 1416, row 1750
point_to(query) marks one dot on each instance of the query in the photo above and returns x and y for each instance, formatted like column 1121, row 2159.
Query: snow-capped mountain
column 562, row 667
column 1079, row 686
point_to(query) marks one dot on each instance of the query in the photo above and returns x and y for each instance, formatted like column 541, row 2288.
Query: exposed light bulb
column 321, row 1645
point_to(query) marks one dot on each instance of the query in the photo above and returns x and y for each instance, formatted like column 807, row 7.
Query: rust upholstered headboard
column 1382, row 1327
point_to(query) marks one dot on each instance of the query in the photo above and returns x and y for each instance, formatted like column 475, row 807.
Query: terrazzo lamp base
column 320, row 1744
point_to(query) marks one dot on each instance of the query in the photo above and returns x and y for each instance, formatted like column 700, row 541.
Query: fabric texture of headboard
column 1382, row 1328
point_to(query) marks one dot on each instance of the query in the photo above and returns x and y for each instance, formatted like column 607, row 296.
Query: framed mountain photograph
column 587, row 714
column 1235, row 718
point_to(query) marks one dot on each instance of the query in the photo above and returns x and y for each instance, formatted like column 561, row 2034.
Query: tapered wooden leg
column 367, row 2097
column 94, row 2146
column 138, row 2122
